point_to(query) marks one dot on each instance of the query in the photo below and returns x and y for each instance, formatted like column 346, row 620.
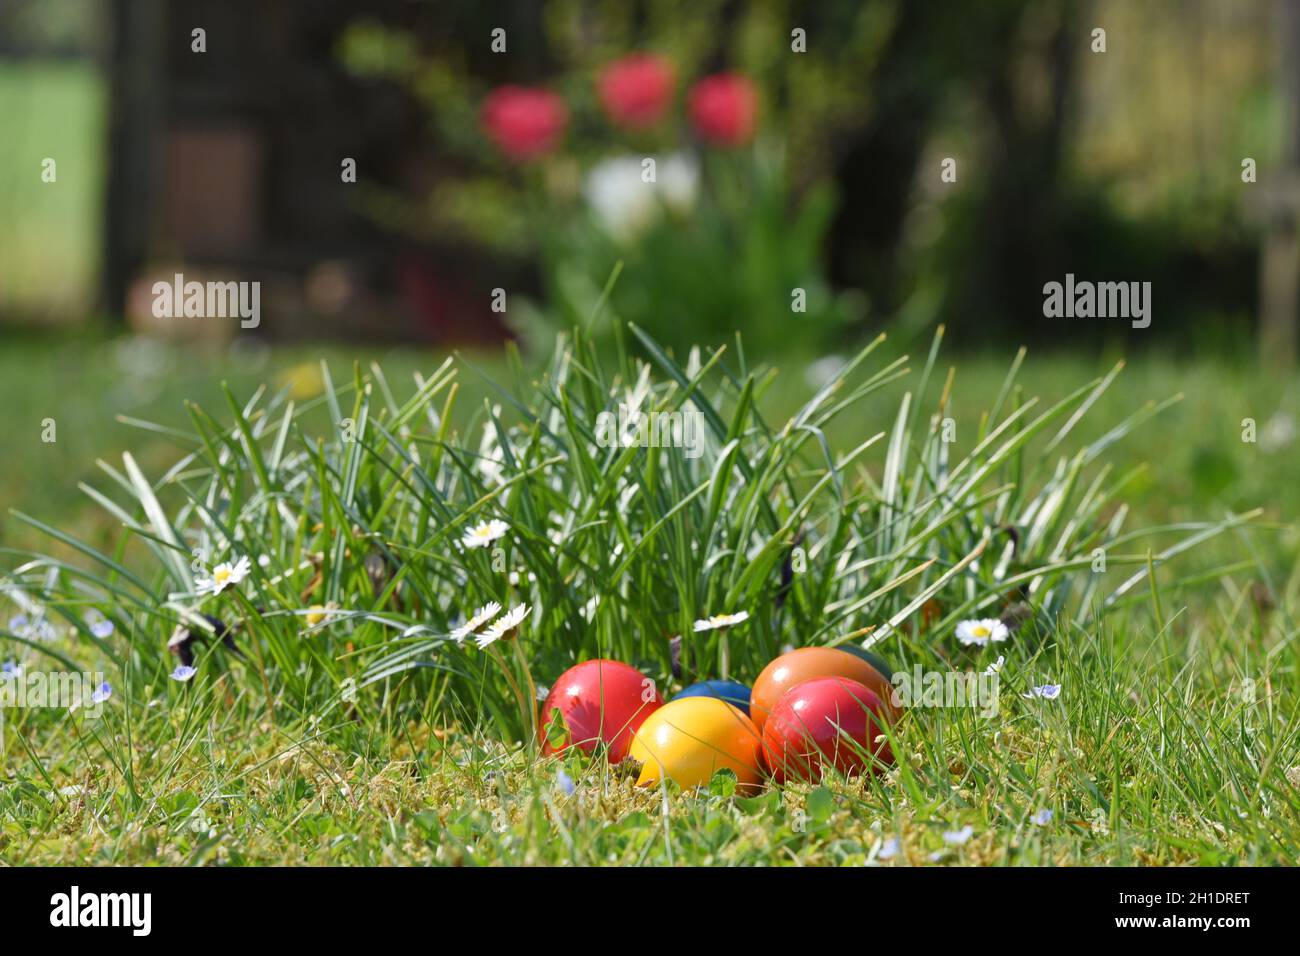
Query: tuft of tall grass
column 360, row 571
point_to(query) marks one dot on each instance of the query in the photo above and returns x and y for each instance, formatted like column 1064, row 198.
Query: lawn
column 1174, row 737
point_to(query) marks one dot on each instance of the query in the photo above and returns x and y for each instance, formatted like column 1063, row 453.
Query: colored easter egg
column 875, row 660
column 689, row 739
column 731, row 691
column 824, row 722
column 595, row 701
column 805, row 663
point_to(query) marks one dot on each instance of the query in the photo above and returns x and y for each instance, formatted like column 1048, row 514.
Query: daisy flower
column 981, row 632
column 484, row 534
column 720, row 620
column 224, row 575
column 183, row 673
column 500, row 628
column 481, row 617
column 1046, row 691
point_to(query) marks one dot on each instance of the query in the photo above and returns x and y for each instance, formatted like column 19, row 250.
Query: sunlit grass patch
column 324, row 560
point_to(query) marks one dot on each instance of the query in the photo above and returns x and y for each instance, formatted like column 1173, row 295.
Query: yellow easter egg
column 689, row 739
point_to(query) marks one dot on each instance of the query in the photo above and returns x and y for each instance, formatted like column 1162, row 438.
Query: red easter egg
column 597, row 701
column 806, row 663
column 826, row 721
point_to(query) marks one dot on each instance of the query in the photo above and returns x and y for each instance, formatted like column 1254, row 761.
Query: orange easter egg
column 805, row 663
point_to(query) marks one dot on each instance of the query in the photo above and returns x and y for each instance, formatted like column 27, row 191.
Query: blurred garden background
column 798, row 199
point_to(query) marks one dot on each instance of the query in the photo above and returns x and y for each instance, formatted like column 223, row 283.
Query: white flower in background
column 484, row 534
column 981, row 632
column 588, row 611
column 889, row 849
column 481, row 617
column 500, row 628
column 996, row 666
column 99, row 625
column 224, row 575
column 720, row 620
column 33, row 628
column 958, row 837
column 622, row 203
column 1045, row 691
column 679, row 181
column 625, row 204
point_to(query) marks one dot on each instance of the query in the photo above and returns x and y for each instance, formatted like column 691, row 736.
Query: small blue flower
column 102, row 693
column 1042, row 818
column 959, row 836
column 889, row 849
column 565, row 782
column 1046, row 691
column 11, row 670
column 183, row 672
column 101, row 629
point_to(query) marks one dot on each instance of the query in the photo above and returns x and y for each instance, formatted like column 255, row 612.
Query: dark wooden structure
column 228, row 163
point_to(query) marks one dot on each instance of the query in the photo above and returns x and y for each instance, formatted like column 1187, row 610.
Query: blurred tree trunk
column 1281, row 255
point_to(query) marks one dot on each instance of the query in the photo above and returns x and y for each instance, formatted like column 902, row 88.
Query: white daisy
column 481, row 617
column 224, row 575
column 716, row 621
column 484, row 534
column 981, row 632
column 500, row 628
column 1045, row 691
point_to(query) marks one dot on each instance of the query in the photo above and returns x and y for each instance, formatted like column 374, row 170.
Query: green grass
column 52, row 110
column 1174, row 739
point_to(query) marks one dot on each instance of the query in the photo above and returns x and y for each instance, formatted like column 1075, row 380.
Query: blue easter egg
column 732, row 692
